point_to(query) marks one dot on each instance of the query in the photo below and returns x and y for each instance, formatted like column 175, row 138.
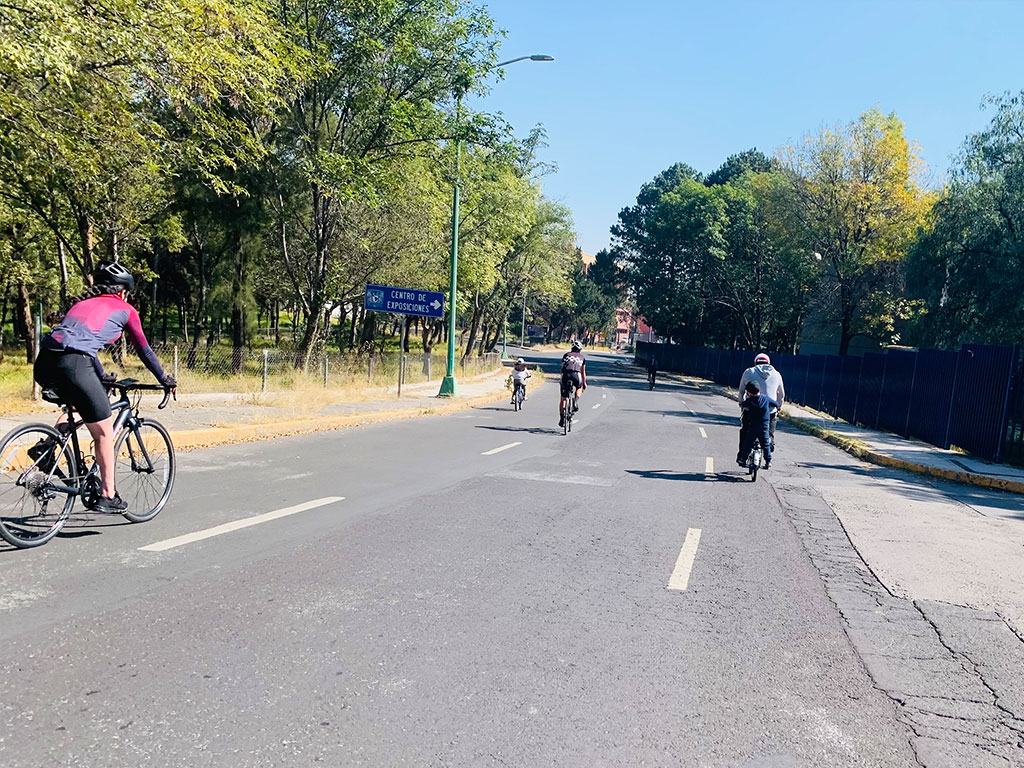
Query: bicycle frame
column 125, row 417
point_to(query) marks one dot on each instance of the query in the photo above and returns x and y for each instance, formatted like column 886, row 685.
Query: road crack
column 953, row 712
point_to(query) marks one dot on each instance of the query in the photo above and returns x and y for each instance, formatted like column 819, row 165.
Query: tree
column 856, row 195
column 670, row 242
column 749, row 161
column 97, row 106
column 967, row 267
column 380, row 70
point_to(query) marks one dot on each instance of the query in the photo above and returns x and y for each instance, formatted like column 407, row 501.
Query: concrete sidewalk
column 890, row 450
column 197, row 421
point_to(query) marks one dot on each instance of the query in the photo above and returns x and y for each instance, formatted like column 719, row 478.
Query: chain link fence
column 222, row 369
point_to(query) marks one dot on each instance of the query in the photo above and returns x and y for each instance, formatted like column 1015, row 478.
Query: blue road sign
column 404, row 301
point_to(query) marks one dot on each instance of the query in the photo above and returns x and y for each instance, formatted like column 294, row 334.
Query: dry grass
column 348, row 380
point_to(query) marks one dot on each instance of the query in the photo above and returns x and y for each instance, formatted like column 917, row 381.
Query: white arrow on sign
column 435, row 304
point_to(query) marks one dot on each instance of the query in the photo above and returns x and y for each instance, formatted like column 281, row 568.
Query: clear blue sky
column 637, row 86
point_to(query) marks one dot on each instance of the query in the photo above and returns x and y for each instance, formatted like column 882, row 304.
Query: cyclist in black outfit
column 574, row 378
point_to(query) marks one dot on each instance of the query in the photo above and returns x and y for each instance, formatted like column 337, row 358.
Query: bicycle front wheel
column 31, row 511
column 144, row 469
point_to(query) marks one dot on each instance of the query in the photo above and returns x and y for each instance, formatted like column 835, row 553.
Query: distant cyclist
column 67, row 363
column 519, row 376
column 769, row 382
column 574, row 378
column 652, row 370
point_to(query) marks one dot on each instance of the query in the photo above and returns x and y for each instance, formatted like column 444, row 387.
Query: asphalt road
column 472, row 590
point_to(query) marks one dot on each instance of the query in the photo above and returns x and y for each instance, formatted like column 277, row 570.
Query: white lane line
column 703, row 433
column 596, row 406
column 693, row 412
column 217, row 530
column 709, row 466
column 680, row 578
column 500, row 448
column 604, row 395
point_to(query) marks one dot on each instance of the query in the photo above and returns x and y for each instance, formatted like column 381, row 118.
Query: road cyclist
column 520, row 373
column 68, row 365
column 652, row 371
column 769, row 382
column 573, row 380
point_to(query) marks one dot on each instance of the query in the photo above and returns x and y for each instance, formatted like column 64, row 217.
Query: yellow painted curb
column 207, row 437
column 861, row 451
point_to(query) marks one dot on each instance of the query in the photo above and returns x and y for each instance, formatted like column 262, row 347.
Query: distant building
column 630, row 328
column 587, row 259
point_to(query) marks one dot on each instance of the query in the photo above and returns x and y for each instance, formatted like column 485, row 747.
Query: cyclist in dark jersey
column 68, row 363
column 574, row 377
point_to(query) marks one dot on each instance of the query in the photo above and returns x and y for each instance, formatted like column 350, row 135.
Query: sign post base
column 449, row 387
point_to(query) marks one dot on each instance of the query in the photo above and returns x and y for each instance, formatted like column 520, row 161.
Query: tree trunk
column 200, row 315
column 474, row 325
column 357, row 316
column 62, row 261
column 3, row 317
column 85, row 235
column 311, row 337
column 24, row 310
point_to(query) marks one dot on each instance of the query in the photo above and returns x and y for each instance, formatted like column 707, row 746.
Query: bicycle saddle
column 50, row 395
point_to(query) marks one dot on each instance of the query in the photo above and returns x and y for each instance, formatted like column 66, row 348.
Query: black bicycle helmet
column 112, row 273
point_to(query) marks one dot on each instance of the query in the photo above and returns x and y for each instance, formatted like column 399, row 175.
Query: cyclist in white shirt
column 519, row 376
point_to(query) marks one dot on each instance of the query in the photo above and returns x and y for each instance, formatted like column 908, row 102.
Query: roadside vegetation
column 255, row 164
column 835, row 238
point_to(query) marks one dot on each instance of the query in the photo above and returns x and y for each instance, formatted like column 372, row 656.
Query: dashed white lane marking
column 604, row 395
column 680, row 578
column 709, row 466
column 217, row 530
column 596, row 406
column 693, row 412
column 500, row 448
column 703, row 433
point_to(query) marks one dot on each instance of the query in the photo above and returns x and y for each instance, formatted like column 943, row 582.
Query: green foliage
column 252, row 157
column 965, row 267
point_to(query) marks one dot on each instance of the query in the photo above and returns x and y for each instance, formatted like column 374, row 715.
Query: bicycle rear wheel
column 31, row 512
column 144, row 469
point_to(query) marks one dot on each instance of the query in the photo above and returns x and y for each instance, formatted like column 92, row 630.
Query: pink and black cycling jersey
column 93, row 323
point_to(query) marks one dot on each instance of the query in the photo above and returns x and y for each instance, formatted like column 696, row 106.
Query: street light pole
column 449, row 386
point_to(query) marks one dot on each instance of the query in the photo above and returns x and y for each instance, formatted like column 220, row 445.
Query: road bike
column 40, row 463
column 567, row 412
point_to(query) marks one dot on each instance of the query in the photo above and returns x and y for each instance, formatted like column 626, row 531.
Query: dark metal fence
column 972, row 399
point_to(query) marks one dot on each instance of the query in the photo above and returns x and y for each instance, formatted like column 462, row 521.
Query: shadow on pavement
column 530, row 430
column 664, row 474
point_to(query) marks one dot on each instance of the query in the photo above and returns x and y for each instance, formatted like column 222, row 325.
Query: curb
column 208, row 437
column 861, row 451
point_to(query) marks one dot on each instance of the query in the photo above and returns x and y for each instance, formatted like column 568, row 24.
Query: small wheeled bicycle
column 39, row 464
column 755, row 460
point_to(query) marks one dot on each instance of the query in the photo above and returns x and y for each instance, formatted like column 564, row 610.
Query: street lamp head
column 541, row 57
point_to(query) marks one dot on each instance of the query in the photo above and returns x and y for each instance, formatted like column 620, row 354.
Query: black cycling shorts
column 571, row 381
column 73, row 376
